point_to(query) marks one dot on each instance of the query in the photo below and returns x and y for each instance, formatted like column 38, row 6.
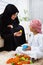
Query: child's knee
column 18, row 48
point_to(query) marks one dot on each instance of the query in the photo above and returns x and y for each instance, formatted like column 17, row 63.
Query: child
column 35, row 45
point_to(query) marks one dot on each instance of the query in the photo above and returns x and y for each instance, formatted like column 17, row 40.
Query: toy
column 24, row 47
column 19, row 60
column 20, row 30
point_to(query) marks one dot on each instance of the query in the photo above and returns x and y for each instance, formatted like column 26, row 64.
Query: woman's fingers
column 11, row 26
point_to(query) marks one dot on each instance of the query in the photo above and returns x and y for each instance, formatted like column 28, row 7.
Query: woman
column 12, row 33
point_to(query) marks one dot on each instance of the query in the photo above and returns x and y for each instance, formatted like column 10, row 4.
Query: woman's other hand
column 10, row 26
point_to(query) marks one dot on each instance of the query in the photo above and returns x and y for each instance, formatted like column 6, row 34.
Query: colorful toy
column 24, row 47
column 19, row 60
column 20, row 30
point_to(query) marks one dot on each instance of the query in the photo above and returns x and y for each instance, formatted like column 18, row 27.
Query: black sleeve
column 6, row 32
column 23, row 35
column 0, row 24
column 0, row 27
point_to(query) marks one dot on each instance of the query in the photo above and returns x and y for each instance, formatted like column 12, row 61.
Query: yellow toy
column 20, row 30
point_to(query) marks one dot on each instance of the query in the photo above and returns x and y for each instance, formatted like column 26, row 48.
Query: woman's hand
column 10, row 26
column 29, row 48
column 18, row 33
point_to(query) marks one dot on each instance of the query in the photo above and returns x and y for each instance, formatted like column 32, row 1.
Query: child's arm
column 40, row 44
column 40, row 40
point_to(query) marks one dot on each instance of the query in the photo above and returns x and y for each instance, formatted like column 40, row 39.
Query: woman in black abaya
column 12, row 33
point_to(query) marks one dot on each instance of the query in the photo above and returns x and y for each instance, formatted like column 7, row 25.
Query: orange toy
column 23, row 62
column 26, row 56
column 19, row 60
column 13, row 60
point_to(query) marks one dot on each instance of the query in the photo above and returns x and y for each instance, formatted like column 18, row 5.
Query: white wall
column 36, row 9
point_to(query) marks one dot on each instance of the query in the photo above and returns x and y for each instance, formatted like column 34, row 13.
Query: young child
column 35, row 46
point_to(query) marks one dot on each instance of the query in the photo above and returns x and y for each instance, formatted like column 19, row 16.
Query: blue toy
column 24, row 47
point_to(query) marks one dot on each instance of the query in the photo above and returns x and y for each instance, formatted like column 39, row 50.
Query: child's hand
column 18, row 33
column 10, row 26
column 29, row 48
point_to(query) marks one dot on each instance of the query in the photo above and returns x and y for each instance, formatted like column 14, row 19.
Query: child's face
column 31, row 29
column 14, row 16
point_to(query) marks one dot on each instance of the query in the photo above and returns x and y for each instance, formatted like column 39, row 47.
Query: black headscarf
column 6, row 16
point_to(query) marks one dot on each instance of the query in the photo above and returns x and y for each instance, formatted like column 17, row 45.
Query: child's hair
column 37, row 25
